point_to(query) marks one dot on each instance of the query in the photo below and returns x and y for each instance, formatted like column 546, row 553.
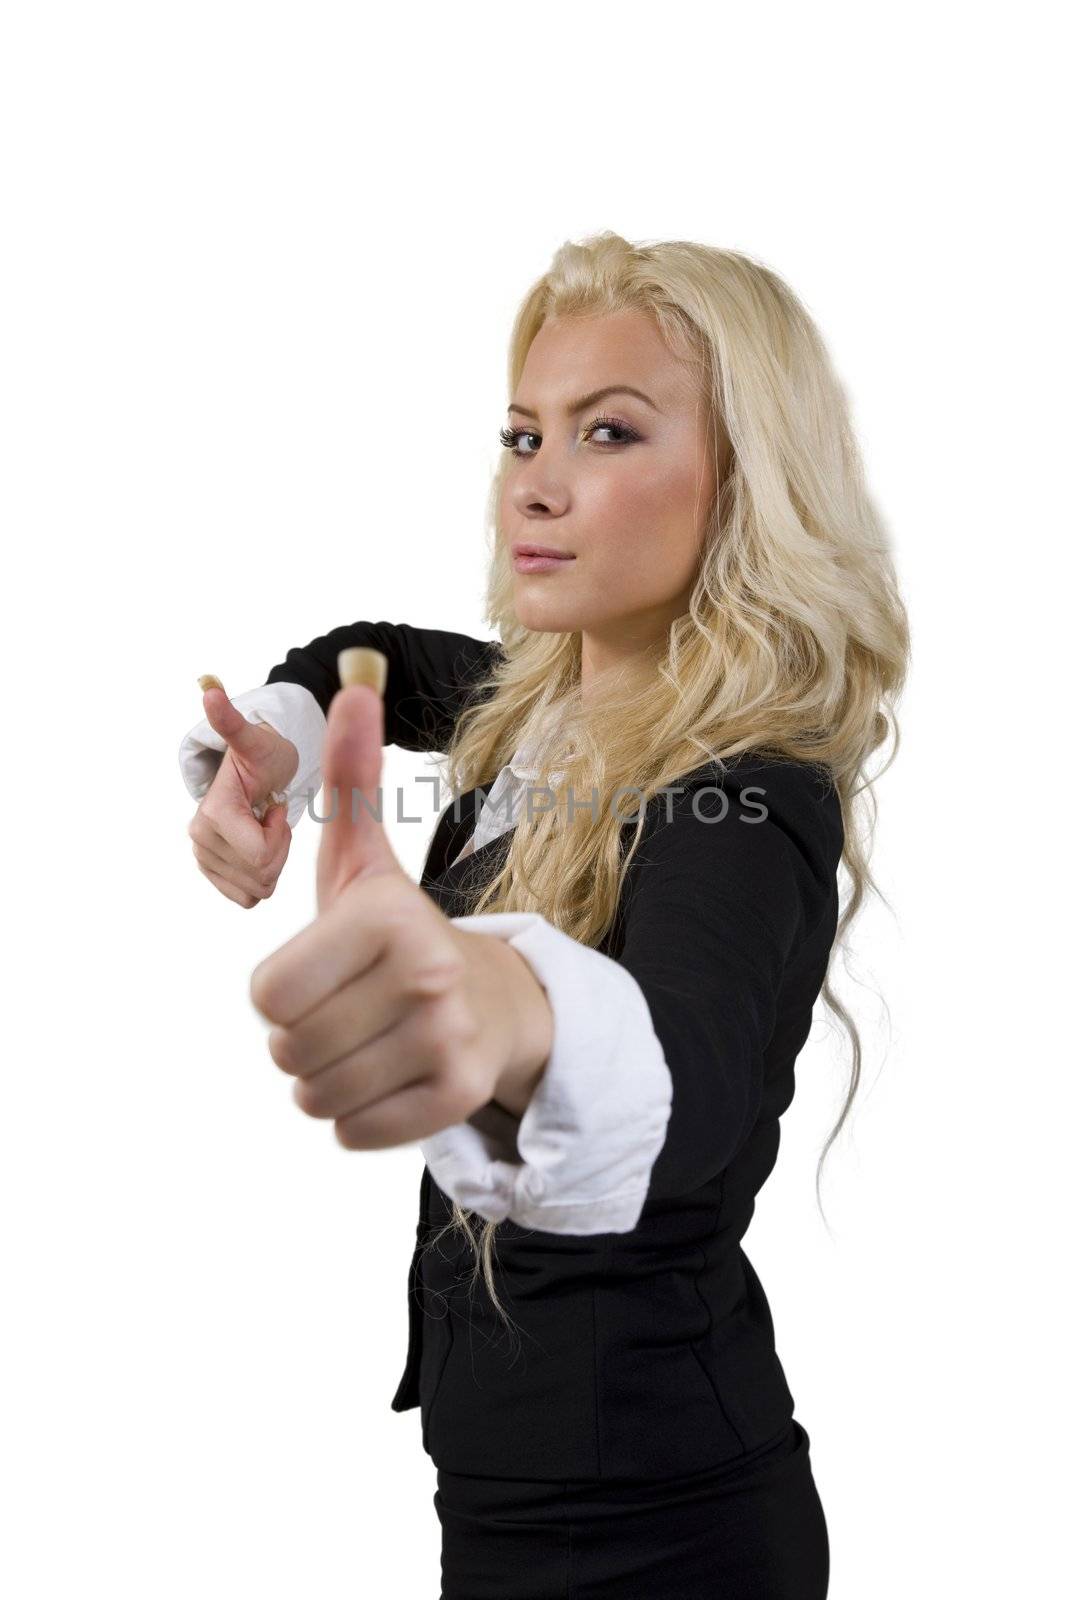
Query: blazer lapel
column 443, row 877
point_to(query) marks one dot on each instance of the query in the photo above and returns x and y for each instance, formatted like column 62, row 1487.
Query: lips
column 542, row 550
column 529, row 559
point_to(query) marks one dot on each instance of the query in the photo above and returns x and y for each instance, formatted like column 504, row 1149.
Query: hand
column 242, row 856
column 395, row 1023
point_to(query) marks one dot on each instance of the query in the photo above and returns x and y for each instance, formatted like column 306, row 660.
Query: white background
column 260, row 265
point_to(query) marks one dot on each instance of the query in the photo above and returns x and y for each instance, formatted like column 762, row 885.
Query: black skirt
column 751, row 1530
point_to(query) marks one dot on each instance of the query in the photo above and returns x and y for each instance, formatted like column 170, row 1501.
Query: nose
column 534, row 494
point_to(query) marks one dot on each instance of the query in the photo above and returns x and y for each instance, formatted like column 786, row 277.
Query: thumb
column 354, row 841
column 242, row 736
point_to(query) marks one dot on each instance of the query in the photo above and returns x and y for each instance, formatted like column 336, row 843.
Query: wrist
column 520, row 1004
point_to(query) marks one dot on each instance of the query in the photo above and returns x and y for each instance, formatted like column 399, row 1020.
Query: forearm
column 591, row 1118
column 432, row 672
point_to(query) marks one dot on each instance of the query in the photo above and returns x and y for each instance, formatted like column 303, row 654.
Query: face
column 622, row 487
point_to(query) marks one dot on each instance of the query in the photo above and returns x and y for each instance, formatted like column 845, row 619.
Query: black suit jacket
column 649, row 1353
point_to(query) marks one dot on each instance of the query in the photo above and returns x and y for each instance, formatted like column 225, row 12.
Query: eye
column 614, row 425
column 509, row 437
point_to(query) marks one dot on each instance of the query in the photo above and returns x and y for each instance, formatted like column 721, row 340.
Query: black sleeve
column 431, row 678
column 716, row 910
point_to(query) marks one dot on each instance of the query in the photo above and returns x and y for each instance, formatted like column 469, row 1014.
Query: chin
column 545, row 618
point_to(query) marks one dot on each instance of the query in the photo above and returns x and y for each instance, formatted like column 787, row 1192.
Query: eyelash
column 509, row 437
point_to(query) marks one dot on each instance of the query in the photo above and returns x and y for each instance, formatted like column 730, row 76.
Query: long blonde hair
column 795, row 641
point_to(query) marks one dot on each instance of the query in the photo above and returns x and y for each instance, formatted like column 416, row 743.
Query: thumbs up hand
column 240, row 854
column 394, row 1022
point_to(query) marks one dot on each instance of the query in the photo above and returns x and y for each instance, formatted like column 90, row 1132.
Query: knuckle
column 452, row 1062
column 464, row 1091
column 309, row 1098
column 280, row 1045
column 249, row 861
column 348, row 1136
column 432, row 978
column 463, row 1022
column 263, row 992
column 447, row 1031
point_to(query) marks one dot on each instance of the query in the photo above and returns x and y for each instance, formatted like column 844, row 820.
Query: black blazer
column 649, row 1353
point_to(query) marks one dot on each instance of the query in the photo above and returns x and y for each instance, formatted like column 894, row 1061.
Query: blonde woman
column 631, row 906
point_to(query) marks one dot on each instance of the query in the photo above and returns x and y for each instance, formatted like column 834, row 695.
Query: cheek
column 650, row 539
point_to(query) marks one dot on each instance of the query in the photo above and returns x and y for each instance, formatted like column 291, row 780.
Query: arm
column 578, row 1160
column 430, row 679
column 718, row 911
column 431, row 676
column 656, row 1073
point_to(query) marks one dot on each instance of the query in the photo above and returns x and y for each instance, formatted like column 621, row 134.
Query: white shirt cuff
column 290, row 710
column 580, row 1158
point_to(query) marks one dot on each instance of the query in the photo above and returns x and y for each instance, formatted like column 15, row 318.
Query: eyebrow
column 590, row 400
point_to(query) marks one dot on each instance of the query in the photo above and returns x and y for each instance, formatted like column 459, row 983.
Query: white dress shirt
column 579, row 1159
column 503, row 805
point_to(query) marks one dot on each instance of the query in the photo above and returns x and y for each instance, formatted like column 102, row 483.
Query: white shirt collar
column 493, row 817
column 523, row 764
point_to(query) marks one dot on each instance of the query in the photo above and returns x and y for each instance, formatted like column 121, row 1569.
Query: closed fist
column 394, row 1022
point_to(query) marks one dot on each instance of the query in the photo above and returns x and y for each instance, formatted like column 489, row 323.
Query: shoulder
column 756, row 821
column 798, row 797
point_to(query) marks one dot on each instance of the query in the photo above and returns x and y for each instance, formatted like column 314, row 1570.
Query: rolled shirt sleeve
column 290, row 710
column 579, row 1159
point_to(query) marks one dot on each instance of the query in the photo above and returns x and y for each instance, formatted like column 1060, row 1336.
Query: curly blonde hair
column 795, row 640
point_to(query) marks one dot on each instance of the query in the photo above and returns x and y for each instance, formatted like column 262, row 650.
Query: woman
column 713, row 648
